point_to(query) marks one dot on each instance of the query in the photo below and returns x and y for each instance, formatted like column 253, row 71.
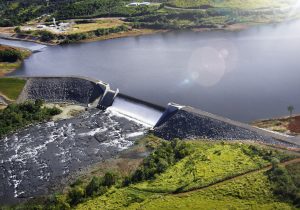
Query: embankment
column 189, row 123
column 63, row 89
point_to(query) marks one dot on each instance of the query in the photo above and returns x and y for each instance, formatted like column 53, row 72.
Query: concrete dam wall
column 173, row 122
column 63, row 89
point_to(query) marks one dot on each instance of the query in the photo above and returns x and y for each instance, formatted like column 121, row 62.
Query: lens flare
column 206, row 66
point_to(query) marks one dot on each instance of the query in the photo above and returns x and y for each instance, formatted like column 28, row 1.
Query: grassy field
column 248, row 192
column 253, row 4
column 6, row 67
column 11, row 87
column 101, row 23
column 208, row 164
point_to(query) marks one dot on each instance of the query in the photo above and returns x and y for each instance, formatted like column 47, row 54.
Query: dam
column 37, row 158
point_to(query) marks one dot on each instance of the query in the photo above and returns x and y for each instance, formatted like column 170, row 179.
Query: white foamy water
column 136, row 111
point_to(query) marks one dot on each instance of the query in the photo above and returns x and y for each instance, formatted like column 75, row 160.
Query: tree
column 93, row 186
column 76, row 195
column 18, row 29
column 291, row 109
column 109, row 179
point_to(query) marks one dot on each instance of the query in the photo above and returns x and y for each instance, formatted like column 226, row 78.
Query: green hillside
column 203, row 174
column 16, row 12
column 255, row 4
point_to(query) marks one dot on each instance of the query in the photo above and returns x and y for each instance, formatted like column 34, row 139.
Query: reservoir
column 244, row 75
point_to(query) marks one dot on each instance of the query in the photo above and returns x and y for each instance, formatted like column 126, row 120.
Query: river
column 244, row 75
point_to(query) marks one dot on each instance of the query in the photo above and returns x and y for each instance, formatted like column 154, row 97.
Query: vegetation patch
column 250, row 191
column 17, row 116
column 238, row 4
column 85, row 26
column 286, row 182
column 11, row 87
column 11, row 58
column 208, row 164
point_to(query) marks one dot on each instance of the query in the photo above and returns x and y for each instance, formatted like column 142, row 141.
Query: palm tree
column 291, row 109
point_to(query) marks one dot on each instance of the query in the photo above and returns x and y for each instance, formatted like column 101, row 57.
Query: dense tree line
column 285, row 184
column 16, row 116
column 16, row 12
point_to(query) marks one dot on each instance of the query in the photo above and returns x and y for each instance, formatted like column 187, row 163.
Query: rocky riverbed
column 34, row 160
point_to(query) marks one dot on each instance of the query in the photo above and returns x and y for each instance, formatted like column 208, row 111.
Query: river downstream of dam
column 35, row 160
column 226, row 73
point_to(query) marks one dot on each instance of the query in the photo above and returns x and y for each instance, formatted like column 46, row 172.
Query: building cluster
column 135, row 4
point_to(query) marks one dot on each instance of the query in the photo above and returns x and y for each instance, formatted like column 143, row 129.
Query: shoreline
column 7, row 67
column 138, row 32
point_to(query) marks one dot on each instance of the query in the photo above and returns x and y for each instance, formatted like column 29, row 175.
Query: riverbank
column 9, row 65
column 286, row 125
column 123, row 34
column 97, row 29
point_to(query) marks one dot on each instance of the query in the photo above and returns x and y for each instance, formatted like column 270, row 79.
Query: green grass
column 249, row 192
column 252, row 191
column 11, row 87
column 294, row 171
column 248, row 4
column 209, row 163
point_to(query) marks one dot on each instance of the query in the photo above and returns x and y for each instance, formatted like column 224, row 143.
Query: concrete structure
column 135, row 4
column 107, row 99
column 176, row 122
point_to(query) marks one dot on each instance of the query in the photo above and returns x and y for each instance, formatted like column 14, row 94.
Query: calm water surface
column 243, row 75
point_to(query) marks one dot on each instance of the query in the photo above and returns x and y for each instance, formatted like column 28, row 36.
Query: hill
column 213, row 176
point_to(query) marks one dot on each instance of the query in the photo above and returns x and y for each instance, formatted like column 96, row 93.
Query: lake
column 245, row 75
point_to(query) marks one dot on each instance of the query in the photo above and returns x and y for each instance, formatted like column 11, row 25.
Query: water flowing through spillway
column 136, row 111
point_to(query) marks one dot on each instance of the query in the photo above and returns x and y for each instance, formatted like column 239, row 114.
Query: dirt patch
column 294, row 125
column 286, row 125
column 7, row 30
column 68, row 110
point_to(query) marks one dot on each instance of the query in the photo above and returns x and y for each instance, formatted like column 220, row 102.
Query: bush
column 76, row 195
column 17, row 29
column 167, row 154
column 93, row 186
column 10, row 55
column 56, row 202
column 109, row 179
column 282, row 184
column 46, row 36
column 16, row 116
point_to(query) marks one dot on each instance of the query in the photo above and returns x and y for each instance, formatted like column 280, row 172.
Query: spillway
column 136, row 110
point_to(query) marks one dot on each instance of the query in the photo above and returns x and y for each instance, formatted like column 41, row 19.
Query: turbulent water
column 37, row 158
